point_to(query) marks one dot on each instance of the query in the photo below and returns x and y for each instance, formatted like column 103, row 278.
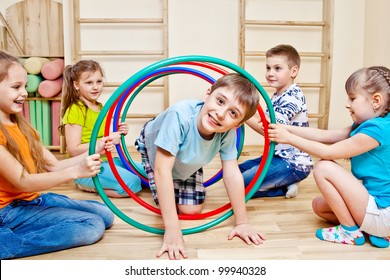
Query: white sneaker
column 85, row 188
column 292, row 191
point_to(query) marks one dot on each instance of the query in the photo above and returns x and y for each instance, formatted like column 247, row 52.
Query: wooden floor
column 289, row 225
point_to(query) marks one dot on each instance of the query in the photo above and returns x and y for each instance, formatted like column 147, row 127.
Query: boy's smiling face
column 220, row 112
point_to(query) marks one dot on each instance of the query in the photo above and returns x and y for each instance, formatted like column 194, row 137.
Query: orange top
column 8, row 192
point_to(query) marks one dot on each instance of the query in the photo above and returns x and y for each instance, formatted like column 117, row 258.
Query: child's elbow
column 327, row 154
column 72, row 152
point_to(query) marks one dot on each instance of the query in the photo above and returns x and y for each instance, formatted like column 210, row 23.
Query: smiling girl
column 359, row 201
column 32, row 222
column 83, row 85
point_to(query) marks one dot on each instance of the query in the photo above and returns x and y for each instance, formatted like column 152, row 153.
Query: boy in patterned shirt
column 289, row 165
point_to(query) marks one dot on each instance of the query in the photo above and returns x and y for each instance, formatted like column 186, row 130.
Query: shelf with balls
column 44, row 88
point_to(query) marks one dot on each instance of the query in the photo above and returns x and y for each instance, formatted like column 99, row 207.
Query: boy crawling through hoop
column 177, row 143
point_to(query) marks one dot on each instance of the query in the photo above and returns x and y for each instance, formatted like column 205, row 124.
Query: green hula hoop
column 138, row 76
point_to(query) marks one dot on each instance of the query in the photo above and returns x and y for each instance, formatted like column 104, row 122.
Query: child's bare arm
column 173, row 242
column 234, row 184
column 73, row 134
column 102, row 145
column 342, row 149
column 319, row 135
column 87, row 166
column 256, row 124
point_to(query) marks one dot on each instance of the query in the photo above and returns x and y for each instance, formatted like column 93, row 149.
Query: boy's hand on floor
column 247, row 233
column 173, row 244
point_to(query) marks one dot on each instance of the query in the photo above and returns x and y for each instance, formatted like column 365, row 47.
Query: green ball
column 33, row 82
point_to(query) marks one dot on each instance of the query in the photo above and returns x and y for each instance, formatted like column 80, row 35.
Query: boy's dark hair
column 245, row 91
column 289, row 51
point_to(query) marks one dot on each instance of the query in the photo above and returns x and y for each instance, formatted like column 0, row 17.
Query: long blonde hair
column 32, row 136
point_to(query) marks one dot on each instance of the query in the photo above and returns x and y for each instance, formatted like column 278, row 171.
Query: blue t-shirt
column 373, row 167
column 175, row 130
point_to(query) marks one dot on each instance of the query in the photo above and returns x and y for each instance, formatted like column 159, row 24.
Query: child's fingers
column 94, row 157
column 232, row 234
column 247, row 239
column 257, row 238
column 161, row 251
column 174, row 253
column 272, row 126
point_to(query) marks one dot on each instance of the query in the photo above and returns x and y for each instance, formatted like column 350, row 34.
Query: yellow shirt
column 8, row 192
column 86, row 118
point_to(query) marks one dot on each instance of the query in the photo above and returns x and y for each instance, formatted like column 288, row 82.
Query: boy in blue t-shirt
column 176, row 145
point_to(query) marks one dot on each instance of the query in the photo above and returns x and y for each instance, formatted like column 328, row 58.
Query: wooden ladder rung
column 122, row 52
column 316, row 116
column 121, row 20
column 140, row 116
column 302, row 85
column 284, row 23
column 118, row 84
column 302, row 54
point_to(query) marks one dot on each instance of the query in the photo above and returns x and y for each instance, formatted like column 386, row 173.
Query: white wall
column 377, row 33
column 348, row 52
column 201, row 27
column 361, row 31
column 361, row 39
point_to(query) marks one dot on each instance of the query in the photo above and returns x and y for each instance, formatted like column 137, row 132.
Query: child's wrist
column 242, row 223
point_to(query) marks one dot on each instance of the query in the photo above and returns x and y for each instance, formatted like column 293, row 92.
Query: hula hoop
column 254, row 184
column 114, row 169
column 122, row 149
column 154, row 75
column 127, row 160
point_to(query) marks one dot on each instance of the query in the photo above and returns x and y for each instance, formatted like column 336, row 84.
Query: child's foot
column 292, row 191
column 85, row 188
column 342, row 234
column 380, row 242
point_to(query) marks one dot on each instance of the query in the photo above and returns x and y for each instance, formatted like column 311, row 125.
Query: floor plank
column 289, row 225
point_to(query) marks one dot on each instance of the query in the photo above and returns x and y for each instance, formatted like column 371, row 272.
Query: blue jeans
column 108, row 181
column 49, row 223
column 279, row 176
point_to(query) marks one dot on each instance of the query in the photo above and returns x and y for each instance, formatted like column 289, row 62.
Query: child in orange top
column 31, row 222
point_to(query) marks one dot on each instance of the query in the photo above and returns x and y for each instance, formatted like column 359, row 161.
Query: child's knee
column 314, row 204
column 190, row 209
column 322, row 168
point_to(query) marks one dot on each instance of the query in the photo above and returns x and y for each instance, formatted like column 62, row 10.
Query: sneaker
column 87, row 189
column 292, row 191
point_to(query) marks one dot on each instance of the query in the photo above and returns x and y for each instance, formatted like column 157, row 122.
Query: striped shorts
column 188, row 192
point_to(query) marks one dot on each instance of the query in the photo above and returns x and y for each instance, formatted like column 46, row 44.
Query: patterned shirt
column 290, row 109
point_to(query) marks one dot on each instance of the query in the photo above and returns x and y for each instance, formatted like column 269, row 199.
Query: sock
column 292, row 191
column 342, row 234
column 380, row 242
